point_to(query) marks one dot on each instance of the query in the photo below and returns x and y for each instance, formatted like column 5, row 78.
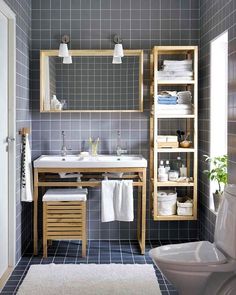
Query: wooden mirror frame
column 94, row 52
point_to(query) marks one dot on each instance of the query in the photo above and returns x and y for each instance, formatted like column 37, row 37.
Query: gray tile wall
column 215, row 18
column 22, row 9
column 91, row 25
column 94, row 83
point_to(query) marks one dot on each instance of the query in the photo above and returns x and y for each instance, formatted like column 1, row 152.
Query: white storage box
column 166, row 201
column 184, row 206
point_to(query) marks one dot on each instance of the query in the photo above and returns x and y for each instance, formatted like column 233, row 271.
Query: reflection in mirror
column 92, row 83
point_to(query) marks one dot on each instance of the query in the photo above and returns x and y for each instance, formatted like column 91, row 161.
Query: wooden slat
column 175, row 183
column 71, row 237
column 65, row 203
column 82, row 183
column 60, row 224
column 64, row 220
column 65, row 229
column 174, row 217
column 64, row 211
column 68, row 233
column 64, row 207
column 54, row 215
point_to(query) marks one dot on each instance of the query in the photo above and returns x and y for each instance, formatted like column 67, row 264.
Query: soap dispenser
column 162, row 175
column 183, row 171
column 167, row 166
column 161, row 169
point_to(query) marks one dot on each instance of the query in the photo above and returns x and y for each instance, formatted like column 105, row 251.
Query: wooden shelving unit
column 190, row 121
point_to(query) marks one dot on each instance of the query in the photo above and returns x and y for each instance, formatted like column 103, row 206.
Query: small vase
column 217, row 199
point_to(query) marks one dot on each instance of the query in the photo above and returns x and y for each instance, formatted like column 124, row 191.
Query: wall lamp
column 63, row 50
column 118, row 52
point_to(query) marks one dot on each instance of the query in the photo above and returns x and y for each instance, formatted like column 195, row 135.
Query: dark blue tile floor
column 100, row 252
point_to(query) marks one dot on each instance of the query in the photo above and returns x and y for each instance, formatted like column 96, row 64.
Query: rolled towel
column 184, row 97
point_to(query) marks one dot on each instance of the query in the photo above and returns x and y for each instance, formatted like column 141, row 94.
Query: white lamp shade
column 118, row 50
column 116, row 60
column 63, row 50
column 67, row 60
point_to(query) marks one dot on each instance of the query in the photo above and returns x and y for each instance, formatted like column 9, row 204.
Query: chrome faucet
column 63, row 147
column 119, row 150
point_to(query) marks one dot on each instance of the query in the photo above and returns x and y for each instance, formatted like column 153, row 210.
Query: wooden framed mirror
column 92, row 83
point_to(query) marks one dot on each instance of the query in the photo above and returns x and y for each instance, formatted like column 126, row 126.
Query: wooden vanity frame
column 139, row 180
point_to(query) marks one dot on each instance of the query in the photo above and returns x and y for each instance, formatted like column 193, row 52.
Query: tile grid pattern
column 92, row 24
column 216, row 17
column 93, row 83
column 22, row 9
column 99, row 252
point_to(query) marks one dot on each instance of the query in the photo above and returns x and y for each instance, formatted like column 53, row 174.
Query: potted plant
column 218, row 173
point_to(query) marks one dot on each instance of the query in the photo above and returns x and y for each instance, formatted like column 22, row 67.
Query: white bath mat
column 90, row 279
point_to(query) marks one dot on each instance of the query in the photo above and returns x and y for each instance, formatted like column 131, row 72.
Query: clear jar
column 173, row 175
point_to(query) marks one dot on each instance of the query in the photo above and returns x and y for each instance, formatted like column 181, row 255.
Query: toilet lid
column 196, row 253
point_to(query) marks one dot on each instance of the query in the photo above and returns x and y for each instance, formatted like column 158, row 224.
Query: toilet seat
column 189, row 254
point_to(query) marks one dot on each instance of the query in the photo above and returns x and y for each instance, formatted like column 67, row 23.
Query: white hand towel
column 108, row 188
column 124, row 201
column 117, row 200
column 27, row 175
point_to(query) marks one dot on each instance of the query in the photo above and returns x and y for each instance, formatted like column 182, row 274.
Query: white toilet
column 203, row 268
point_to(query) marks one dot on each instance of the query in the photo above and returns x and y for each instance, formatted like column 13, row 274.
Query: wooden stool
column 64, row 216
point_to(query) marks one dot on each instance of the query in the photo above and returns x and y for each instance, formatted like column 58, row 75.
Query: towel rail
column 75, row 184
column 24, row 131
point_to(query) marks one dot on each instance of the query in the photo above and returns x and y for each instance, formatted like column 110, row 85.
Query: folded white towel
column 177, row 68
column 175, row 78
column 27, row 174
column 174, row 107
column 117, row 200
column 175, row 74
column 178, row 109
column 178, row 62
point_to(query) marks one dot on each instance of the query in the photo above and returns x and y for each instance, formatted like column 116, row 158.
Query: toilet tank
column 225, row 230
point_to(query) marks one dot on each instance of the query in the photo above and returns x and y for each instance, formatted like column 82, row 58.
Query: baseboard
column 5, row 277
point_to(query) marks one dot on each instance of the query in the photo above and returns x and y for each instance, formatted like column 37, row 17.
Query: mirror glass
column 92, row 83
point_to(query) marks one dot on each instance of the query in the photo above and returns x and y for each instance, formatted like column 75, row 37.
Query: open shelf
column 189, row 122
column 174, row 217
column 175, row 150
column 174, row 183
column 160, row 116
column 176, row 82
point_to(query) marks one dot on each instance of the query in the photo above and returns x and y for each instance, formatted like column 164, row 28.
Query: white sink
column 100, row 161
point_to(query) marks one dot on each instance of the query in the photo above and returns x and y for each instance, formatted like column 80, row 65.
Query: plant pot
column 217, row 199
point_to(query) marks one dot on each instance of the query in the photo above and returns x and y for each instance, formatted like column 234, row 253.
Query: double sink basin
column 100, row 161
